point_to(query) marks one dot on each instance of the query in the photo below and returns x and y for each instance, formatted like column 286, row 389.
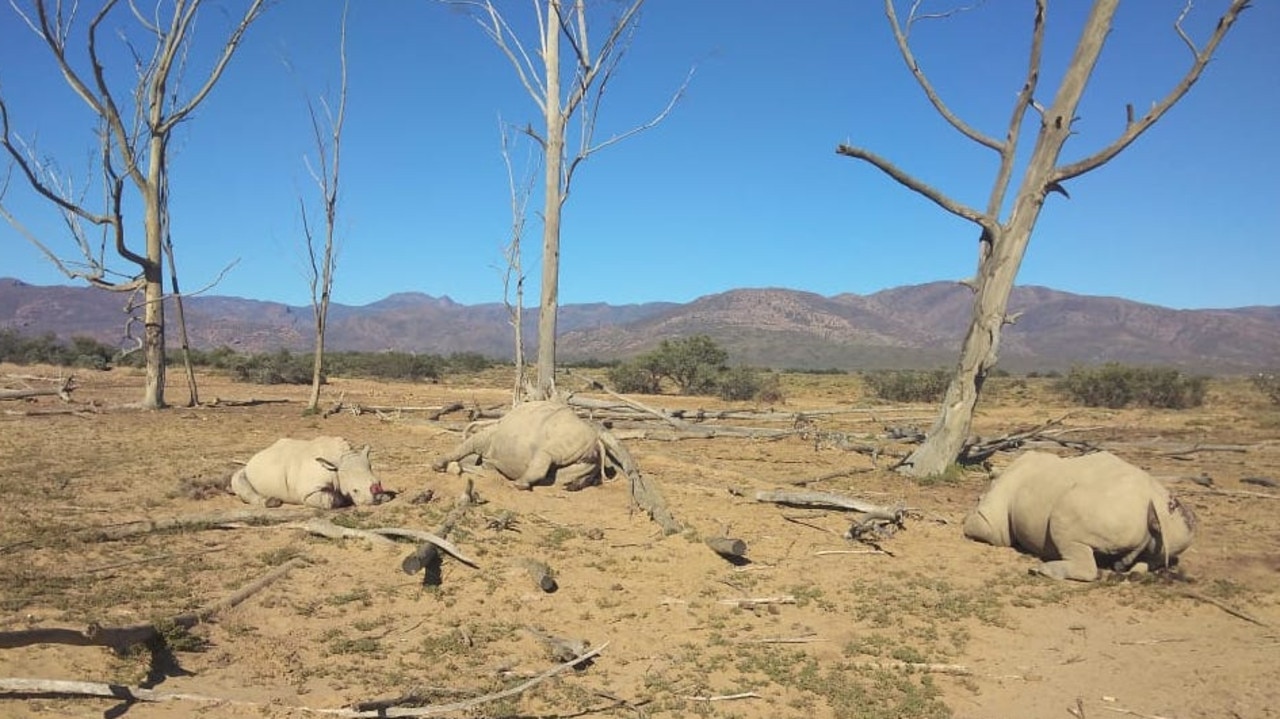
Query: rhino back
column 1106, row 507
column 288, row 469
column 1036, row 482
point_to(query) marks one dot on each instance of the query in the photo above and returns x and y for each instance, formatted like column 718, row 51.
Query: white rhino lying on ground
column 1066, row 511
column 324, row 472
column 537, row 442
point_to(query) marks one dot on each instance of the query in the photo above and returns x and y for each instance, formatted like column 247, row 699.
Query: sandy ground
column 983, row 637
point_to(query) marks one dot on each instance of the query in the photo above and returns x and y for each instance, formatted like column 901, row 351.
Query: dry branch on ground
column 121, row 638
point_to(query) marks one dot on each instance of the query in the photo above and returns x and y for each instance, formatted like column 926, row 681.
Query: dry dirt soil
column 814, row 625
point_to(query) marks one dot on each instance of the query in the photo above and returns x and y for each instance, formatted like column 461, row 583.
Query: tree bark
column 553, row 202
column 1002, row 254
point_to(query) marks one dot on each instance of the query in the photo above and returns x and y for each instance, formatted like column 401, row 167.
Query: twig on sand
column 56, row 687
column 1223, row 606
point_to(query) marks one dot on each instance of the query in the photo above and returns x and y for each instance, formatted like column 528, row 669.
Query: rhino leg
column 580, row 475
column 324, row 498
column 244, row 490
column 1129, row 560
column 536, row 471
column 1077, row 563
column 476, row 444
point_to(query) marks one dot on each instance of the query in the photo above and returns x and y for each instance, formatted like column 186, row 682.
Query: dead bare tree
column 1003, row 242
column 513, row 272
column 323, row 260
column 133, row 146
column 592, row 68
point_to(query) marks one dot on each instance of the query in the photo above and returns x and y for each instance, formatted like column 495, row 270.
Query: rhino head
column 1172, row 526
column 356, row 479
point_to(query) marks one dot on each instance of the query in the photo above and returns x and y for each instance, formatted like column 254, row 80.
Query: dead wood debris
column 22, row 688
column 217, row 520
column 543, row 576
column 1189, row 594
column 723, row 697
column 731, row 548
column 752, row 602
column 251, row 402
column 322, row 527
column 977, row 450
column 426, row 557
column 644, row 492
column 62, row 390
column 121, row 638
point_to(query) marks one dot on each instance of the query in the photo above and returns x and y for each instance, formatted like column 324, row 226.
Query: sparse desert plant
column 693, row 363
column 634, row 377
column 1114, row 385
column 1268, row 383
column 908, row 385
column 745, row 383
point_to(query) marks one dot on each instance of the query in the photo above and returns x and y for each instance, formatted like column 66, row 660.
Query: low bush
column 1268, row 383
column 635, row 378
column 908, row 385
column 745, row 383
column 1114, row 385
column 282, row 367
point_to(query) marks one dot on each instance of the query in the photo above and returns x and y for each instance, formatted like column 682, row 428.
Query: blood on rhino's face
column 1179, row 529
column 357, row 480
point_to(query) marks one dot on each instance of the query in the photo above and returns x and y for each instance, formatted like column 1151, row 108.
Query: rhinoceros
column 536, row 442
column 324, row 472
column 1070, row 512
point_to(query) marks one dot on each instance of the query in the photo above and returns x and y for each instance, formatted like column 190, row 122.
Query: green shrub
column 283, row 367
column 1114, row 386
column 739, row 383
column 908, row 385
column 745, row 383
column 693, row 363
column 634, row 377
column 1268, row 383
column 48, row 349
column 467, row 362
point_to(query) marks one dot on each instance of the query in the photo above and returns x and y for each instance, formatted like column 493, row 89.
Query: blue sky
column 739, row 187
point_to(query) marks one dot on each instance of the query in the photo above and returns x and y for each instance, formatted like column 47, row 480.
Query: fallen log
column 23, row 687
column 829, row 500
column 220, row 520
column 728, row 547
column 62, row 391
column 120, row 638
column 644, row 493
column 427, row 557
column 541, row 574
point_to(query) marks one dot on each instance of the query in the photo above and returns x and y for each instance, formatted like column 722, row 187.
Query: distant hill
column 914, row 326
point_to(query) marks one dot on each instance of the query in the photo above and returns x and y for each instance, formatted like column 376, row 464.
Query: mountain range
column 917, row 326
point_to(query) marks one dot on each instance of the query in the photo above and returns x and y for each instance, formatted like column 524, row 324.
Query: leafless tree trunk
column 134, row 149
column 323, row 260
column 592, row 69
column 1003, row 243
column 514, row 271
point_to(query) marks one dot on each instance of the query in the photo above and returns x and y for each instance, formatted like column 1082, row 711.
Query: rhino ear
column 327, row 464
column 365, row 451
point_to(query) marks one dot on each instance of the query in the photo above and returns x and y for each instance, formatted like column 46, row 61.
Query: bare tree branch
column 1135, row 129
column 228, row 49
column 911, row 183
column 590, row 71
column 900, row 35
column 613, row 140
column 1026, row 96
column 499, row 31
column 915, row 15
